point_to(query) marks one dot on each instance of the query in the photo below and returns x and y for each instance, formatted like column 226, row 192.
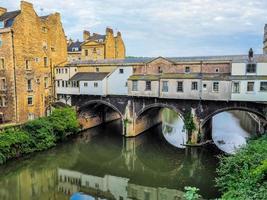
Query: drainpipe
column 15, row 79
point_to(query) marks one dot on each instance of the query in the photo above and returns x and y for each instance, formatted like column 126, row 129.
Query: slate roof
column 72, row 45
column 143, row 60
column 8, row 17
column 96, row 36
column 89, row 76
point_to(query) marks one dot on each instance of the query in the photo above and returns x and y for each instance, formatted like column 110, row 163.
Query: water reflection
column 102, row 164
column 230, row 130
column 173, row 128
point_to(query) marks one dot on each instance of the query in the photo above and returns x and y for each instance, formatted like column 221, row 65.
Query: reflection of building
column 30, row 184
column 111, row 187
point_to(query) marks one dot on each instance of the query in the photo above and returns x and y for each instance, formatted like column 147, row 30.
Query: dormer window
column 251, row 68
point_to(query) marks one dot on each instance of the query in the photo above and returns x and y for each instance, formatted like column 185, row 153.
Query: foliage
column 244, row 175
column 13, row 143
column 189, row 124
column 37, row 135
column 64, row 122
column 191, row 193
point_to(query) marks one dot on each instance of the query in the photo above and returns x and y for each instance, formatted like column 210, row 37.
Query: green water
column 101, row 163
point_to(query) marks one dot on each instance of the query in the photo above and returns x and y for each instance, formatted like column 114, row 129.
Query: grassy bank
column 244, row 175
column 37, row 135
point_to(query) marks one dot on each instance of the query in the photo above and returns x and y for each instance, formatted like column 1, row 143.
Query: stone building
column 97, row 47
column 30, row 46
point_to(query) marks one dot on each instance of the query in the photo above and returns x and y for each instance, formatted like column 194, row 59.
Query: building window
column 44, row 29
column 66, row 83
column 3, row 84
column 148, row 85
column 63, row 83
column 180, row 86
column 217, row 70
column 187, row 69
column 194, row 85
column 159, row 70
column 95, row 84
column 45, row 61
column 29, row 84
column 2, row 63
column 30, row 100
column 2, row 101
column 204, row 86
column 85, row 84
column 135, row 86
column 97, row 69
column 263, row 86
column 86, row 52
column 215, row 87
column 236, row 87
column 27, row 64
column 66, row 70
column 250, row 86
column 165, row 87
column 58, row 83
column 30, row 116
column 46, row 84
column 121, row 71
column 251, row 68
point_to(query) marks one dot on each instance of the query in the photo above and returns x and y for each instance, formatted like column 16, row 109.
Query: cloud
column 165, row 27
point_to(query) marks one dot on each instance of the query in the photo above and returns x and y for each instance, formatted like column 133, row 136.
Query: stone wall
column 37, row 41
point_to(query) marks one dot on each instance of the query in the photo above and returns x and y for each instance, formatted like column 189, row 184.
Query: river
column 100, row 164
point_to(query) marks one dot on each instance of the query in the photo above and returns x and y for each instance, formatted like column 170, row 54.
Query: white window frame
column 213, row 86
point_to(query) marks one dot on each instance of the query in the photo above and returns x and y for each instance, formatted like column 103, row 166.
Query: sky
column 171, row 28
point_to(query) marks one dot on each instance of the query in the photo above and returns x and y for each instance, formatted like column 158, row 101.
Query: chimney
column 119, row 34
column 2, row 11
column 25, row 5
column 250, row 54
column 86, row 35
column 109, row 31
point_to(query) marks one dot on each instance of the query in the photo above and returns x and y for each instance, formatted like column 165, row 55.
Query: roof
column 9, row 16
column 89, row 76
column 112, row 61
column 145, row 60
column 72, row 45
column 96, row 36
column 144, row 77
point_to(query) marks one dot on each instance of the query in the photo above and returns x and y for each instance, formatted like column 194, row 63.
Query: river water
column 100, row 164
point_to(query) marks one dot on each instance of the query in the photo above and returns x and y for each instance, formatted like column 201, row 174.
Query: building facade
column 97, row 47
column 30, row 46
column 221, row 78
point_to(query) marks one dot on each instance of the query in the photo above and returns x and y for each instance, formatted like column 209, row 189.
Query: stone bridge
column 139, row 114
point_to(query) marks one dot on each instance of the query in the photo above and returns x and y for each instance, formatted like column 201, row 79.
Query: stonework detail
column 31, row 47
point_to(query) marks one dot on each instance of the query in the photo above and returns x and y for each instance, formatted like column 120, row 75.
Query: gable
column 160, row 60
column 91, row 43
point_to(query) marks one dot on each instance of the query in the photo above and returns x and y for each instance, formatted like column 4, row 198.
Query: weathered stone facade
column 31, row 47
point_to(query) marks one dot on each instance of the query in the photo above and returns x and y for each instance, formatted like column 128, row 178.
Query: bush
column 191, row 193
column 243, row 175
column 37, row 135
column 13, row 143
column 64, row 122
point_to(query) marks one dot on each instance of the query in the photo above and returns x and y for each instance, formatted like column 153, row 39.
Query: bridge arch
column 250, row 110
column 160, row 106
column 150, row 115
column 106, row 104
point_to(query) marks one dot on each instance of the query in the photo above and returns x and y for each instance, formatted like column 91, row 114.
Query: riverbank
column 244, row 175
column 37, row 135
